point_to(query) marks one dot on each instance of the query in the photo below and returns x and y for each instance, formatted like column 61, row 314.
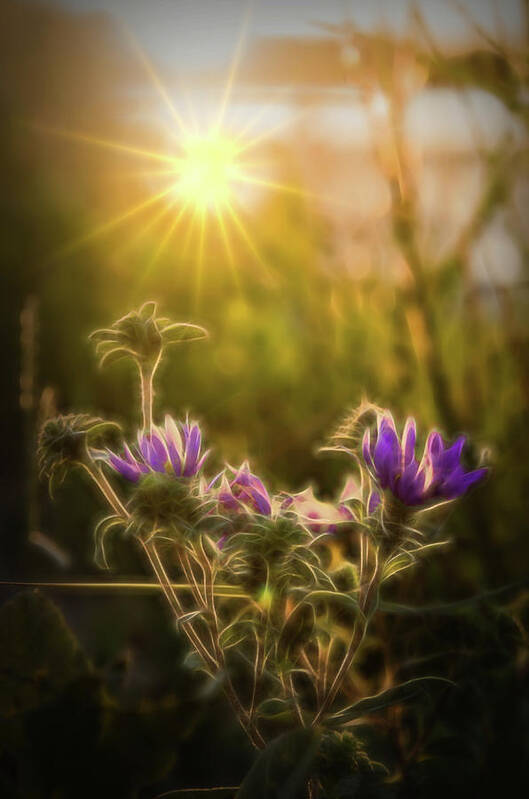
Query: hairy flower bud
column 161, row 503
column 64, row 442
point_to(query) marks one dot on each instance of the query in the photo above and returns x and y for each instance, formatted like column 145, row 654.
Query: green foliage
column 392, row 696
column 287, row 356
column 39, row 655
column 61, row 733
column 345, row 770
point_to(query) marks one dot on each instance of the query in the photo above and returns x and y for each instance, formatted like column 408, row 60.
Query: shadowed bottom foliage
column 63, row 733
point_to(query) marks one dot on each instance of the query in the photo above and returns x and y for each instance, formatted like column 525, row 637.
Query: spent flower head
column 142, row 335
column 64, row 441
column 317, row 516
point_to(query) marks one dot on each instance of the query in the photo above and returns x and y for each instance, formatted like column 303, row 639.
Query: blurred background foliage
column 398, row 271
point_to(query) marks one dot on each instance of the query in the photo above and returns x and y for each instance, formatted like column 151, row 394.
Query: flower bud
column 64, row 442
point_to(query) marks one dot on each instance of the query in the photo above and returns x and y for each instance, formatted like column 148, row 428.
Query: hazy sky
column 202, row 33
column 187, row 35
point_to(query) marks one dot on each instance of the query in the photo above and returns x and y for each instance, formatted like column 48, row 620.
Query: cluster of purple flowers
column 177, row 450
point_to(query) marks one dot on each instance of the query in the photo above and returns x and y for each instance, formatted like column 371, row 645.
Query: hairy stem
column 208, row 601
column 104, row 486
column 175, row 604
column 359, row 631
column 147, row 396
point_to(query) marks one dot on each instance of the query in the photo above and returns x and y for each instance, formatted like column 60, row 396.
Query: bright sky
column 188, row 35
column 202, row 33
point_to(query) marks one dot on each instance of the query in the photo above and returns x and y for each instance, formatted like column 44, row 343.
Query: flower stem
column 104, row 486
column 359, row 632
column 147, row 396
column 245, row 718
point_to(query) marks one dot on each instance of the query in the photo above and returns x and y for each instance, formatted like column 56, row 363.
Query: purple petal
column 434, row 444
column 212, row 482
column 173, row 442
column 366, row 450
column 128, row 456
column 174, row 457
column 262, row 501
column 408, row 440
column 387, row 456
column 227, row 499
column 287, row 502
column 192, row 449
column 410, row 487
column 144, row 448
column 158, row 453
column 459, row 482
column 126, row 469
column 373, row 502
column 345, row 512
column 248, row 488
column 201, row 461
column 452, row 455
column 154, row 455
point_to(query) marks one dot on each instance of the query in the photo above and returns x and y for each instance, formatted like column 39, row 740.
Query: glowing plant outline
column 237, row 543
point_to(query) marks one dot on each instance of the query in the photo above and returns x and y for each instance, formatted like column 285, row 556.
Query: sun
column 207, row 172
column 201, row 185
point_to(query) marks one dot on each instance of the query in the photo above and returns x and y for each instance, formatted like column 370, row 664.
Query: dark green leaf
column 276, row 709
column 392, row 696
column 345, row 600
column 296, row 630
column 447, row 608
column 283, row 769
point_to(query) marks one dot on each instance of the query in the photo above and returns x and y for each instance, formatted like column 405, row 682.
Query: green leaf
column 448, row 608
column 296, row 630
column 392, row 696
column 114, row 355
column 147, row 310
column 187, row 617
column 276, row 709
column 396, row 564
column 182, row 331
column 283, row 769
column 106, row 335
column 345, row 600
column 100, row 534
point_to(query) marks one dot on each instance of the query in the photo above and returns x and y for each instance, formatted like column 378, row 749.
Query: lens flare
column 200, row 185
column 208, row 171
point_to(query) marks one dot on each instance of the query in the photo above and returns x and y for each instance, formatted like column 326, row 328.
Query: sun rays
column 196, row 187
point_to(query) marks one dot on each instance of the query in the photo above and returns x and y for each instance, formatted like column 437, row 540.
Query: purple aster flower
column 174, row 450
column 438, row 476
column 244, row 491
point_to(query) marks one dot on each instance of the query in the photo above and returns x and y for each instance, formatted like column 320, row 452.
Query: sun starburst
column 198, row 184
